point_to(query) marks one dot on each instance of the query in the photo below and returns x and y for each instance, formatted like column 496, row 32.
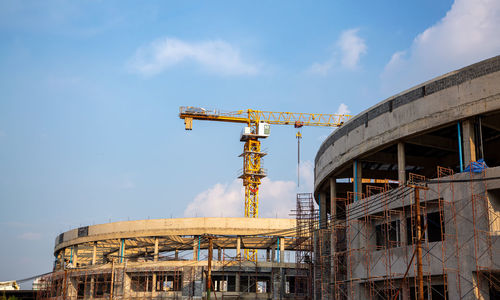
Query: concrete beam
column 491, row 123
column 435, row 142
column 393, row 174
column 392, row 158
column 175, row 227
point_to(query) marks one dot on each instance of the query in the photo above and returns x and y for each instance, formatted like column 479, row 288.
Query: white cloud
column 220, row 200
column 343, row 109
column 216, row 56
column 322, row 68
column 469, row 32
column 30, row 236
column 352, row 47
column 347, row 52
column 276, row 197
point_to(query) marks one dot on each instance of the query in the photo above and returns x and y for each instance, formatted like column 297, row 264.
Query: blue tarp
column 476, row 166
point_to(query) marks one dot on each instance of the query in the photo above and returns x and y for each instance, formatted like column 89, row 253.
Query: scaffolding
column 450, row 249
column 366, row 251
column 149, row 275
column 485, row 219
column 373, row 241
column 306, row 221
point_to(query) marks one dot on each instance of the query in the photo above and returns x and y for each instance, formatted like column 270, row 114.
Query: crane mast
column 258, row 123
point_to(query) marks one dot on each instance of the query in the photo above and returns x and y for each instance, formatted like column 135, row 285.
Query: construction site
column 406, row 205
column 175, row 259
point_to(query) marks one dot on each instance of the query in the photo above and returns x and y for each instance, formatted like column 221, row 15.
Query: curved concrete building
column 368, row 172
column 170, row 258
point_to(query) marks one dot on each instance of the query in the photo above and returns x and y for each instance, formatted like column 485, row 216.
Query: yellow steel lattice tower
column 257, row 127
column 252, row 174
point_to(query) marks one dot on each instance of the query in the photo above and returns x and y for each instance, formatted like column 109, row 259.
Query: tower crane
column 257, row 127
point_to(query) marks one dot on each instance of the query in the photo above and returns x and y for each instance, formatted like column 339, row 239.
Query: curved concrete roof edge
column 430, row 89
column 176, row 226
column 495, row 61
column 454, row 96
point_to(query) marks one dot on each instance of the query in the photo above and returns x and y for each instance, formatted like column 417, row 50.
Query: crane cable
column 298, row 135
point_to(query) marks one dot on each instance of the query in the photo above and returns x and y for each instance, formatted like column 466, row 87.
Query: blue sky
column 89, row 131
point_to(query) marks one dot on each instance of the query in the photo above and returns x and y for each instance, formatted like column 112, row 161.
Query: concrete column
column 238, row 248
column 333, row 213
column 153, row 290
column 322, row 210
column 62, row 254
column 401, row 164
column 268, row 254
column 60, row 260
column 75, row 255
column 66, row 255
column 357, row 179
column 273, row 254
column 122, row 252
column 126, row 286
column 282, row 250
column 92, row 284
column 70, row 287
column 219, row 254
column 155, row 258
column 176, row 254
column 237, row 283
column 94, row 252
column 276, row 281
column 199, row 281
column 333, row 195
column 468, row 141
column 195, row 248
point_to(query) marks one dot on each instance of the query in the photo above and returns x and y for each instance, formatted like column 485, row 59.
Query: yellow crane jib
column 250, row 116
column 258, row 126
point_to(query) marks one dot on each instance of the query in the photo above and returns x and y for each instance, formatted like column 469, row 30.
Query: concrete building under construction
column 409, row 208
column 428, row 153
column 175, row 259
